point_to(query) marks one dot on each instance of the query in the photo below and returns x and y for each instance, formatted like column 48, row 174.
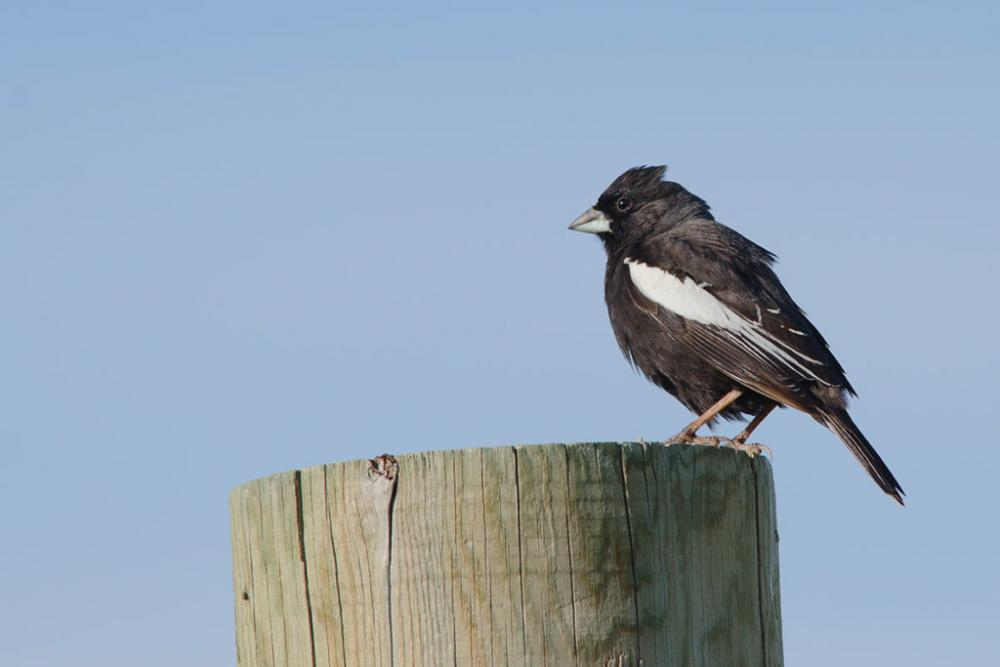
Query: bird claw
column 739, row 445
column 752, row 449
column 683, row 438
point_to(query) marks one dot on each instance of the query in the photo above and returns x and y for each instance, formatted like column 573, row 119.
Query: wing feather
column 736, row 314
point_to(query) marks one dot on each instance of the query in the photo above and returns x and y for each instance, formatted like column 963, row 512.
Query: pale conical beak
column 593, row 222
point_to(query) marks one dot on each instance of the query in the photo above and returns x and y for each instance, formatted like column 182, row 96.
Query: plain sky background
column 245, row 238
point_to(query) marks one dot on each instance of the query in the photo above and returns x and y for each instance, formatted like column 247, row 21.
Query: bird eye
column 623, row 204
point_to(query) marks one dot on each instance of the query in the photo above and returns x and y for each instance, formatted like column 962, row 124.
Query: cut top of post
column 603, row 553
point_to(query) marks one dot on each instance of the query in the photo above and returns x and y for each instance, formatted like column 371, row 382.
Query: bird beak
column 593, row 222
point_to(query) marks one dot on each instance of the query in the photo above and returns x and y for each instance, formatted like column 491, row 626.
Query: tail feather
column 841, row 423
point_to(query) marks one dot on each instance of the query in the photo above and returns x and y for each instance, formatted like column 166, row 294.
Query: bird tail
column 841, row 423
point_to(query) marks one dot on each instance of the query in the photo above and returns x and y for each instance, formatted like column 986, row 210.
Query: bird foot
column 750, row 449
column 685, row 438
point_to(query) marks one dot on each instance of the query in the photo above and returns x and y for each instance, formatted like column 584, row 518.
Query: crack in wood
column 631, row 549
column 300, row 522
column 336, row 565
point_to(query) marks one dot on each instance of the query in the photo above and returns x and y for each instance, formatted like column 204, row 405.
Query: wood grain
column 590, row 554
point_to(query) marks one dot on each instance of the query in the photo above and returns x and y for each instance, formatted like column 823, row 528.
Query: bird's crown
column 639, row 178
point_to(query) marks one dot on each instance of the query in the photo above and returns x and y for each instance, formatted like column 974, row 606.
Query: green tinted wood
column 593, row 554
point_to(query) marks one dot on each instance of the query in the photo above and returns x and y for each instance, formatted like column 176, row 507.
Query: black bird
column 697, row 308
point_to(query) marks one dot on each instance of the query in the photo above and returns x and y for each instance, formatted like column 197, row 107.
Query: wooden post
column 592, row 554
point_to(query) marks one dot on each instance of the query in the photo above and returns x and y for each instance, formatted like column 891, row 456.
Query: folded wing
column 733, row 312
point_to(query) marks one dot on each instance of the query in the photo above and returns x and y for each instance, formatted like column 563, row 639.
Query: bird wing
column 723, row 301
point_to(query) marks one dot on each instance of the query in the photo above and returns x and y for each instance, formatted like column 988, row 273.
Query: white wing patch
column 692, row 302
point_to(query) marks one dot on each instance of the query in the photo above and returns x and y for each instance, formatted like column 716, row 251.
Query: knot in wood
column 383, row 467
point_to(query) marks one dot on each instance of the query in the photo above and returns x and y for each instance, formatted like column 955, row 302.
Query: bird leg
column 740, row 442
column 687, row 436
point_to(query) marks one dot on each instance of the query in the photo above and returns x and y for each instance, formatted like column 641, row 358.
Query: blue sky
column 244, row 238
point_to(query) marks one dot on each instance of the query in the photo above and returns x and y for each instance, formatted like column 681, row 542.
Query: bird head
column 638, row 203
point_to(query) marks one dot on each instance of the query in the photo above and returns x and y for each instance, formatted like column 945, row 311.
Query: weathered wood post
column 593, row 554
